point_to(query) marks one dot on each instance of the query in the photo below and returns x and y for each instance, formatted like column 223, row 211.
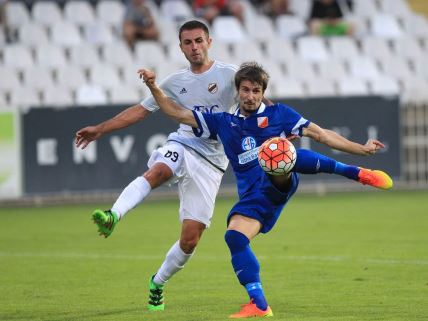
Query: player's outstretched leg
column 375, row 178
column 105, row 220
column 155, row 296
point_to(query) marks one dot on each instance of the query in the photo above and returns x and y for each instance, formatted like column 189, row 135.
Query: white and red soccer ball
column 277, row 156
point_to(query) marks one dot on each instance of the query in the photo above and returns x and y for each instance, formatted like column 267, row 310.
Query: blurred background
column 359, row 67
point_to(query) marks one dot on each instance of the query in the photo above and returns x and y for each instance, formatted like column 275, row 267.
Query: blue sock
column 246, row 266
column 310, row 162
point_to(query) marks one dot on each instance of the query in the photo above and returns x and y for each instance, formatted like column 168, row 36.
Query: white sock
column 174, row 262
column 131, row 196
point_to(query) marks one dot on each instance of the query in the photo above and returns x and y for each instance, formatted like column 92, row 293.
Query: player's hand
column 148, row 76
column 373, row 145
column 86, row 135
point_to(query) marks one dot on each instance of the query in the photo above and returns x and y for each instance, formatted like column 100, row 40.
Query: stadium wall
column 51, row 165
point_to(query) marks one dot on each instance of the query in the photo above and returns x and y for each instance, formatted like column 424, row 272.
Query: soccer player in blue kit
column 261, row 196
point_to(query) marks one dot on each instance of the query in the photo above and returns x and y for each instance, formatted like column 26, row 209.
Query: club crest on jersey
column 212, row 88
column 248, row 143
column 262, row 122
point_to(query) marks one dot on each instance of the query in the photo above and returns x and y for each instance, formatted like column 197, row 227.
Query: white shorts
column 198, row 181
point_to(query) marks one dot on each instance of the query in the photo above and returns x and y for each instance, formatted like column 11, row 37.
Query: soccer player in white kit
column 196, row 164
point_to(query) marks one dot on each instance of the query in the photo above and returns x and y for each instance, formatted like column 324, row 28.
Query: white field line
column 89, row 256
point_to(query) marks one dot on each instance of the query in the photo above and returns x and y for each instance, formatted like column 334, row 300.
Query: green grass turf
column 360, row 256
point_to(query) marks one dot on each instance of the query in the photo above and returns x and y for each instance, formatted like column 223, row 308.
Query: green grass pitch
column 339, row 257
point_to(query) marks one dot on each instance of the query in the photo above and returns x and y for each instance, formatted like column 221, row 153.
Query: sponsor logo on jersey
column 183, row 91
column 262, row 122
column 212, row 88
column 248, row 156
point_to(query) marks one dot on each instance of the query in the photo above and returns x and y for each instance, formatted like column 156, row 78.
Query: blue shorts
column 264, row 202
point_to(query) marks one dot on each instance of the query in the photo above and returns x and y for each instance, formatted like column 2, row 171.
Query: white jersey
column 212, row 91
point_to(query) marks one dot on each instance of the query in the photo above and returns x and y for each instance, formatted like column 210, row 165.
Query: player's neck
column 199, row 69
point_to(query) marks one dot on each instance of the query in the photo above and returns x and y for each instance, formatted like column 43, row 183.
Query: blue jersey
column 241, row 136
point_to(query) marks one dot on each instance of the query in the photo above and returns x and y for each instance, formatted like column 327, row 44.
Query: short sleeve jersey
column 242, row 136
column 210, row 92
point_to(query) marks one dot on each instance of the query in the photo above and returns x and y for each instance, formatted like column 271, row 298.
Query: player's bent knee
column 188, row 245
column 158, row 174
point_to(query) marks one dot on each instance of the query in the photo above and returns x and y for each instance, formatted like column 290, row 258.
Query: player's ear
column 209, row 41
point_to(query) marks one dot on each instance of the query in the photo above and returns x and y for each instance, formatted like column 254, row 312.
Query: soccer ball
column 277, row 156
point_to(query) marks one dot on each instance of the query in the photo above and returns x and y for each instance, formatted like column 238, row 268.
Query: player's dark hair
column 193, row 24
column 253, row 72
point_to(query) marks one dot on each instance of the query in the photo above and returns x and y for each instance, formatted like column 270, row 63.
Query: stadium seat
column 363, row 67
column 38, row 77
column 376, row 47
column 32, row 34
column 289, row 88
column 397, row 8
column 175, row 54
column 384, row 86
column 365, row 8
column 300, row 69
column 124, row 95
column 90, row 94
column 17, row 56
column 331, row 69
column 104, row 75
column 131, row 79
column 251, row 51
column 281, row 50
column 275, row 71
column 175, row 10
column 421, row 67
column 66, row 34
column 352, row 87
column 149, row 53
column 24, row 97
column 290, row 27
column 57, row 96
column 386, row 26
column 408, row 47
column 117, row 54
column 168, row 32
column 3, row 102
column 70, row 77
column 262, row 31
column 228, row 29
column 396, row 67
column 17, row 14
column 301, row 8
column 79, row 12
column 415, row 25
column 220, row 51
column 319, row 87
column 50, row 56
column 312, row 48
column 85, row 55
column 110, row 12
column 9, row 79
column 98, row 34
column 415, row 90
column 47, row 13
column 343, row 47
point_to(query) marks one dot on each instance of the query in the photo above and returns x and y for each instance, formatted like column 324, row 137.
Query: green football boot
column 105, row 220
column 155, row 296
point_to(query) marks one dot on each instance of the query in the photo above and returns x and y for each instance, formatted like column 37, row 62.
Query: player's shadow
column 89, row 316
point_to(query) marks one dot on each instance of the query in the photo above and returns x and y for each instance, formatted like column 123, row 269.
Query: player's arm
column 124, row 119
column 336, row 141
column 167, row 105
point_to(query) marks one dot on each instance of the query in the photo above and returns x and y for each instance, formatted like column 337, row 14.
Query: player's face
column 250, row 97
column 195, row 44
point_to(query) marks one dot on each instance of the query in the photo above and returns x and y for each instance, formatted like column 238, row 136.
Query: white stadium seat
column 57, row 96
column 79, row 12
column 104, row 75
column 176, row 10
column 385, row 86
column 47, row 13
column 301, row 8
column 85, row 55
column 9, row 79
column 117, row 54
column 228, row 29
column 149, row 53
column 50, row 56
column 24, row 97
column 262, row 31
column 376, row 47
column 90, row 94
column 365, row 8
column 408, row 47
column 290, row 27
column 332, row 69
column 17, row 56
column 32, row 34
column 397, row 8
column 415, row 25
column 312, row 48
column 386, row 26
column 38, row 77
column 396, row 67
column 300, row 69
column 110, row 12
column 343, row 47
column 352, row 87
column 71, row 77
column 250, row 51
column 124, row 95
column 66, row 34
column 175, row 54
column 363, row 67
column 289, row 88
column 17, row 14
column 220, row 51
column 98, row 34
column 319, row 87
column 281, row 50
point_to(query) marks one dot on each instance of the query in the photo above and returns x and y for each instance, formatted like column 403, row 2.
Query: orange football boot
column 375, row 178
column 250, row 310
